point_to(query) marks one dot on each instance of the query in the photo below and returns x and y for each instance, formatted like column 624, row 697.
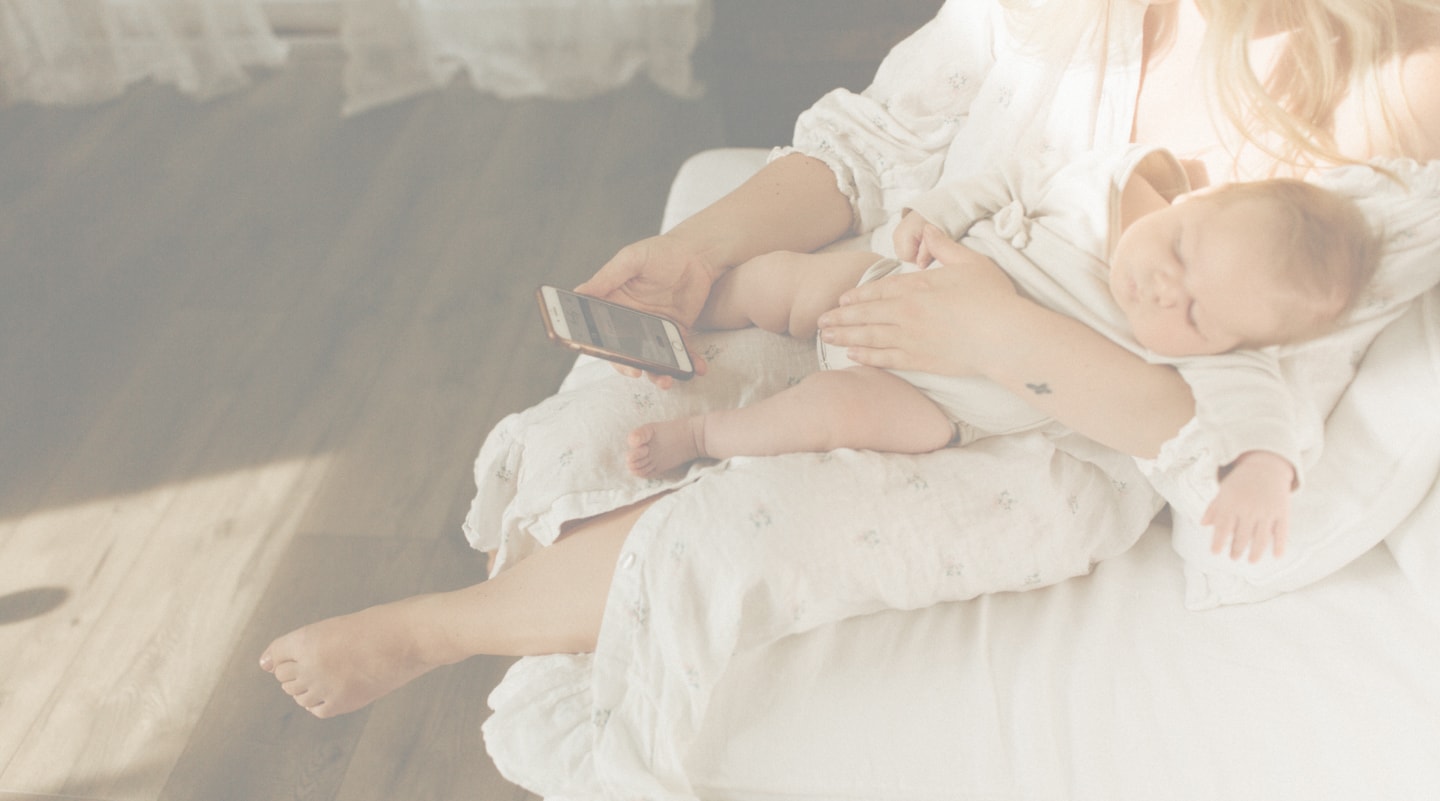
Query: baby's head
column 1242, row 266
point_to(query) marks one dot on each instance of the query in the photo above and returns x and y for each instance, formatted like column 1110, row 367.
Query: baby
column 1199, row 280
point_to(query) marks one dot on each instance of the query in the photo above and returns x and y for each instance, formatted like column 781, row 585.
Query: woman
column 940, row 106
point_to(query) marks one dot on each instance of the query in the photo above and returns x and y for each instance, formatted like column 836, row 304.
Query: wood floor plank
column 253, row 742
column 69, row 340
column 208, row 266
column 431, row 748
column 427, row 744
column 229, row 325
column 457, row 343
column 123, row 708
column 91, row 549
column 147, row 630
column 104, row 257
column 474, row 342
column 285, row 400
column 472, row 325
column 6, row 795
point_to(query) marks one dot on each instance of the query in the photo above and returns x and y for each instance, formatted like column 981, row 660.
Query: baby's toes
column 640, row 437
column 639, row 463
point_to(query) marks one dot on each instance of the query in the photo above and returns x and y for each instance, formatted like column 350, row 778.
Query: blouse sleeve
column 1243, row 399
column 890, row 141
column 1242, row 403
column 954, row 206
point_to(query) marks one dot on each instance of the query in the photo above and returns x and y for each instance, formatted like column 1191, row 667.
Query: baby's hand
column 909, row 240
column 1252, row 510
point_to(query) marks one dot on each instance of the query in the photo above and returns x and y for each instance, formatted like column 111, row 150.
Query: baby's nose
column 1164, row 288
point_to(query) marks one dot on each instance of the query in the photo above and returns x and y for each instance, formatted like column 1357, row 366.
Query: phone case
column 607, row 354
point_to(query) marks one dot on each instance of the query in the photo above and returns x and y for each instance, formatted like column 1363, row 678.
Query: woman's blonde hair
column 1335, row 48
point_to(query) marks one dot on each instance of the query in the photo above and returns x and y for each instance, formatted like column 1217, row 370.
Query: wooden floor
column 248, row 350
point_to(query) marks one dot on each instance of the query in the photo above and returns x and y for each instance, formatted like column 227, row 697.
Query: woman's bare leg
column 551, row 602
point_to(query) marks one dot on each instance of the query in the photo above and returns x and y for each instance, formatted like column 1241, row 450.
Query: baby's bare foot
column 657, row 447
column 342, row 664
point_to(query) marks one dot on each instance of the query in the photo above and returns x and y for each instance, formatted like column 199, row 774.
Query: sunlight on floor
column 152, row 591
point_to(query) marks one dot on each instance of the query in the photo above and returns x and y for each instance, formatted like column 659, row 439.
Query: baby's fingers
column 923, row 257
column 941, row 247
column 907, row 245
column 1222, row 531
column 1270, row 538
column 1221, row 524
column 1260, row 543
column 1244, row 536
column 1282, row 536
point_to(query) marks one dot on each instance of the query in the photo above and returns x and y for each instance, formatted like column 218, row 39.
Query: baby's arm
column 953, row 206
column 1247, row 411
column 1251, row 512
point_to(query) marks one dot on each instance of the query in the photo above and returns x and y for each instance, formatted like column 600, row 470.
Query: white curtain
column 81, row 51
column 518, row 48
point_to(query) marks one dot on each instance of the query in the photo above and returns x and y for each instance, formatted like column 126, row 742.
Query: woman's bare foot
column 343, row 663
column 657, row 447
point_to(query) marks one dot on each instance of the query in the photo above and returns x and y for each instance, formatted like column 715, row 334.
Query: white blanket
column 1102, row 688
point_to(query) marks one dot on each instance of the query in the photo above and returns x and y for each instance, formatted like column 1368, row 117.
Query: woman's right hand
column 664, row 275
column 952, row 320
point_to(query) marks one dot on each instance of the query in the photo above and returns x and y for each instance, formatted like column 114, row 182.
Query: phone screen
column 616, row 328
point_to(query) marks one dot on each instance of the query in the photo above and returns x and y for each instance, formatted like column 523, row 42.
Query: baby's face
column 1196, row 278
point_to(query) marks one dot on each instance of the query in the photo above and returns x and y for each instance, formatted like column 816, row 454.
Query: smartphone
column 614, row 332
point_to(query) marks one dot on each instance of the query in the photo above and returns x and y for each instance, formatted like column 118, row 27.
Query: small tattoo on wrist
column 1039, row 389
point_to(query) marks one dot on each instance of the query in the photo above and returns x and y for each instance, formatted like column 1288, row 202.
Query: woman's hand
column 965, row 318
column 663, row 275
column 946, row 321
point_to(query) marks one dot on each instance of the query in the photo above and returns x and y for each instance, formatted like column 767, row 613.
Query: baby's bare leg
column 551, row 602
column 783, row 292
column 859, row 407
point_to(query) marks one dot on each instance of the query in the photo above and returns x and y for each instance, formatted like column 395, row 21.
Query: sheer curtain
column 518, row 48
column 81, row 51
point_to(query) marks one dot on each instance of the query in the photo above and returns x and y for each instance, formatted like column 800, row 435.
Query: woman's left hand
column 947, row 320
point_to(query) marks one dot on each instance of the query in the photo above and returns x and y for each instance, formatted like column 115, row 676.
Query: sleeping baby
column 1204, row 281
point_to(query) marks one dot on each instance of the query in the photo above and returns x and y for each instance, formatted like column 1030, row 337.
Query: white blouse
column 962, row 92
